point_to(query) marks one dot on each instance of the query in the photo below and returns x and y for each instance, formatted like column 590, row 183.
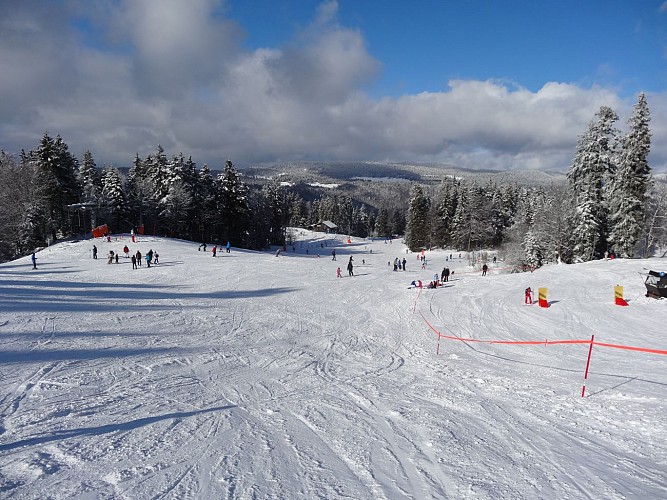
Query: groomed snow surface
column 252, row 375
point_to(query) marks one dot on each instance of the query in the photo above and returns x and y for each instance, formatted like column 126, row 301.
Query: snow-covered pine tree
column 139, row 194
column 632, row 182
column 346, row 214
column 533, row 250
column 275, row 213
column 655, row 226
column 161, row 176
column 460, row 232
column 361, row 225
column 589, row 175
column 57, row 184
column 206, row 205
column 398, row 222
column 113, row 198
column 233, row 205
column 382, row 227
column 445, row 208
column 89, row 179
column 418, row 229
column 298, row 212
column 16, row 199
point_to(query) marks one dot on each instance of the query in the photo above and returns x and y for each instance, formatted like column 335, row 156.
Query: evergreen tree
column 382, row 227
column 16, row 200
column 58, row 186
column 276, row 215
column 593, row 166
column 398, row 222
column 259, row 230
column 160, row 177
column 632, row 182
column 139, row 194
column 233, row 205
column 299, row 212
column 472, row 223
column 418, row 229
column 205, row 205
column 445, row 208
column 113, row 197
column 533, row 250
column 89, row 179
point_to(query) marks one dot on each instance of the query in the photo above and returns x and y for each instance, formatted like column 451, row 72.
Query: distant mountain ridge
column 319, row 171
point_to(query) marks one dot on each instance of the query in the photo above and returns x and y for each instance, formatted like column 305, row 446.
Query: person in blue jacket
column 229, row 247
column 34, row 260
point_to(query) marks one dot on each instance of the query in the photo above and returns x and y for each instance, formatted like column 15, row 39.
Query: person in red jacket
column 528, row 297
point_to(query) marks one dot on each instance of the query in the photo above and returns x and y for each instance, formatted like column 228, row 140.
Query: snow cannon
column 656, row 284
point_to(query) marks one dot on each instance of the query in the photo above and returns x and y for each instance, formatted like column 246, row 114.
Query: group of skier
column 444, row 276
column 151, row 257
column 350, row 268
column 399, row 264
column 214, row 250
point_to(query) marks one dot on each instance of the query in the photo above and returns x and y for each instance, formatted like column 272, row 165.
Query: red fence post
column 588, row 363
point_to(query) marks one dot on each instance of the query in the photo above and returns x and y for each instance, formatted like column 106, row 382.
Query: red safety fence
column 544, row 342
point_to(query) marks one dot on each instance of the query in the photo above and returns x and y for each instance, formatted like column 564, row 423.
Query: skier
column 485, row 268
column 229, row 247
column 528, row 297
column 94, row 252
column 333, row 254
column 157, row 258
column 126, row 251
column 116, row 258
column 338, row 273
column 150, row 257
column 442, row 274
column 138, row 255
column 200, row 247
column 33, row 258
column 134, row 262
column 404, row 262
column 350, row 268
column 148, row 260
column 215, row 249
column 110, row 257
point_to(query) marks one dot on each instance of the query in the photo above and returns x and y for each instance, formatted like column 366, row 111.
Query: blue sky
column 477, row 84
column 424, row 44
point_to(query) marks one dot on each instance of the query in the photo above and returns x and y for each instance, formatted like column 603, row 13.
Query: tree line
column 47, row 194
column 609, row 203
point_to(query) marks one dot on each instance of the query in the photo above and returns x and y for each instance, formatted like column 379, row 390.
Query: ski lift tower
column 83, row 209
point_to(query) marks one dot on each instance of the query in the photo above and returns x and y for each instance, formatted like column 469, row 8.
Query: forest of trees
column 610, row 202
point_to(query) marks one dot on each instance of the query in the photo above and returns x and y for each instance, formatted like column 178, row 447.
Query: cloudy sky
column 475, row 84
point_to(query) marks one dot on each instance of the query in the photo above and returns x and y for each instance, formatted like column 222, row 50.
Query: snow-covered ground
column 255, row 376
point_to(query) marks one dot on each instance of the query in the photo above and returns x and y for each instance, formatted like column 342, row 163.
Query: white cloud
column 178, row 76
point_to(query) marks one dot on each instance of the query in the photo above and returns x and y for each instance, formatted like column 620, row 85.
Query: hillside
column 252, row 375
column 332, row 172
